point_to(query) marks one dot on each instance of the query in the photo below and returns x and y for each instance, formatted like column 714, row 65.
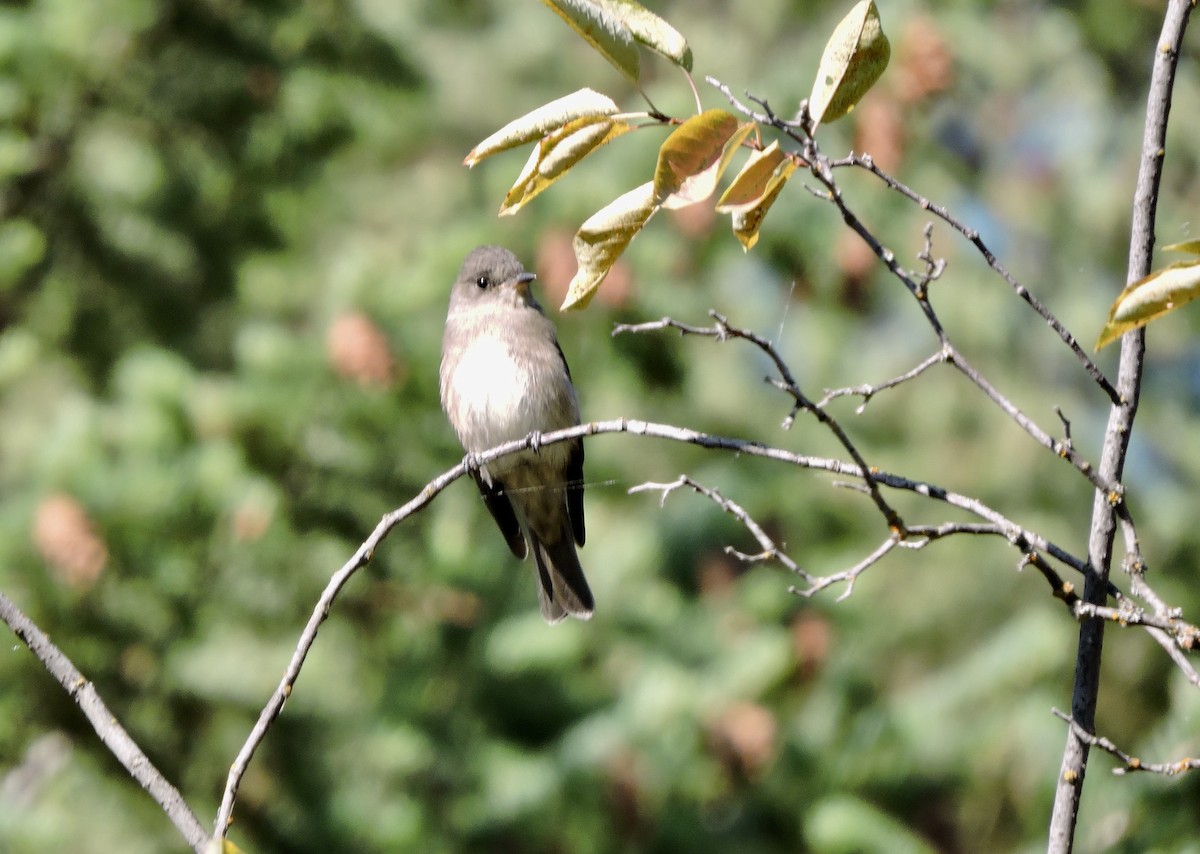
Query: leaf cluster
column 693, row 158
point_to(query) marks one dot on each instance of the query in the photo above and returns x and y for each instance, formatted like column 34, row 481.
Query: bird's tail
column 562, row 587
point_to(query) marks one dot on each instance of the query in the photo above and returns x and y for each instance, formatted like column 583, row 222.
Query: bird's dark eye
column 483, row 282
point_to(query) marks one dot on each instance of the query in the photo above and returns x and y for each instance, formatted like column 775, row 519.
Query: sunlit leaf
column 1190, row 246
column 604, row 30
column 1150, row 298
column 546, row 118
column 601, row 240
column 748, row 218
column 854, row 58
column 557, row 152
column 613, row 26
column 750, row 184
column 692, row 158
column 652, row 31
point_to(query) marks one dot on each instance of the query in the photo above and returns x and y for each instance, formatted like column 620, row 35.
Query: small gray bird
column 503, row 377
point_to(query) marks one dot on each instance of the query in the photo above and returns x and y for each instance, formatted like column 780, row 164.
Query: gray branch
column 1130, row 763
column 105, row 724
column 1116, row 442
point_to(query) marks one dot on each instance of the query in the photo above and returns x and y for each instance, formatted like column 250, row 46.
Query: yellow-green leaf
column 557, row 152
column 601, row 240
column 750, row 184
column 649, row 29
column 692, row 158
column 748, row 218
column 1150, row 298
column 1190, row 246
column 546, row 118
column 605, row 31
column 854, row 58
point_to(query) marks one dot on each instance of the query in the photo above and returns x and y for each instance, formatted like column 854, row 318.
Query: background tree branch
column 105, row 724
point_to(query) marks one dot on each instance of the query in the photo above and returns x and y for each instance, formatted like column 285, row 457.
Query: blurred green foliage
column 227, row 236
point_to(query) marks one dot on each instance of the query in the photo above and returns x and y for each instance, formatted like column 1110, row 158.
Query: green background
column 194, row 199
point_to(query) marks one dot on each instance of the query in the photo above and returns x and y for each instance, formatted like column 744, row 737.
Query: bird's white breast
column 490, row 384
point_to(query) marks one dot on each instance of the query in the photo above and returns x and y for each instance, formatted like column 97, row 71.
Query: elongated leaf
column 1150, row 298
column 543, row 120
column 750, row 184
column 748, row 218
column 601, row 240
column 557, row 152
column 1192, row 247
column 604, row 30
column 692, row 158
column 649, row 29
column 854, row 58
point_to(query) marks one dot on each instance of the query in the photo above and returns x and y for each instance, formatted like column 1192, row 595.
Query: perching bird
column 503, row 376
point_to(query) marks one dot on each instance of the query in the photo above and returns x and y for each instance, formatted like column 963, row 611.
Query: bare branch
column 765, row 118
column 1130, row 763
column 849, row 576
column 1127, row 614
column 722, row 330
column 866, row 392
column 1176, row 654
column 865, row 161
column 105, row 723
column 917, row 286
column 1117, row 433
column 998, row 524
column 822, row 169
column 770, row 551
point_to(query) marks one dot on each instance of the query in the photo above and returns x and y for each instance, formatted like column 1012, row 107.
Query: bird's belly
column 502, row 397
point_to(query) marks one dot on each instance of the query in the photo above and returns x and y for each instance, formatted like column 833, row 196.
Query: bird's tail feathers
column 562, row 588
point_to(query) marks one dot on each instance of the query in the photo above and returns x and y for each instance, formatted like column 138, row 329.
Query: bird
column 503, row 376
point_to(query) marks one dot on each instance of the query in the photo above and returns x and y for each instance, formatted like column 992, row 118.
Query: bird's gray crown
column 490, row 266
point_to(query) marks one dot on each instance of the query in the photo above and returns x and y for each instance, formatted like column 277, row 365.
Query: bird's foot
column 535, row 441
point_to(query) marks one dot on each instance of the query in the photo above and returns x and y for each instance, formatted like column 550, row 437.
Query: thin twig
column 865, row 161
column 636, row 427
column 820, row 169
column 849, row 576
column 770, row 551
column 1021, row 536
column 1129, row 762
column 1185, row 634
column 1060, row 589
column 105, row 724
column 866, row 392
column 722, row 330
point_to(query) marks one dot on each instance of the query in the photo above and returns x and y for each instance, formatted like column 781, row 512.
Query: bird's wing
column 502, row 511
column 575, row 490
column 574, row 470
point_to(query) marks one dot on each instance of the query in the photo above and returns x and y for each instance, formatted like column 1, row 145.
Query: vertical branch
column 1116, row 441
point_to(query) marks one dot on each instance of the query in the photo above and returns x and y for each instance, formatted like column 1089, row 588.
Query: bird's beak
column 521, row 282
